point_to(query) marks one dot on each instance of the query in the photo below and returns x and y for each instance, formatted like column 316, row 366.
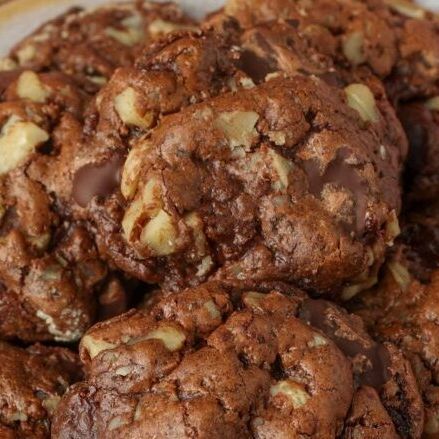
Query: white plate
column 20, row 17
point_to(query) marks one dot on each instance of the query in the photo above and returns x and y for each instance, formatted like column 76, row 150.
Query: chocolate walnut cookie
column 49, row 265
column 403, row 308
column 266, row 366
column 90, row 45
column 32, row 382
column 396, row 39
column 182, row 69
column 282, row 181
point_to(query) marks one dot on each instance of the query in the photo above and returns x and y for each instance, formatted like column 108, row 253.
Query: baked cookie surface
column 397, row 40
column 32, row 381
column 50, row 269
column 273, row 182
column 266, row 365
column 89, row 45
column 403, row 308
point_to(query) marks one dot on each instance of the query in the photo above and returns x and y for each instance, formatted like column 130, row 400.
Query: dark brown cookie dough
column 171, row 74
column 396, row 39
column 32, row 382
column 421, row 122
column 265, row 366
column 403, row 308
column 282, row 181
column 279, row 49
column 49, row 265
column 90, row 45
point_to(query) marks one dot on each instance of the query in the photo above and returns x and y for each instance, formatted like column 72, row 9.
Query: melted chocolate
column 9, row 221
column 255, row 66
column 94, row 180
column 343, row 174
column 314, row 312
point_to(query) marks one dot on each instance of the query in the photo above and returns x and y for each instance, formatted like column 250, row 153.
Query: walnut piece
column 160, row 234
column 392, row 228
column 95, row 346
column 361, row 99
column 132, row 34
column 353, row 48
column 7, row 65
column 433, row 103
column 172, row 338
column 162, row 27
column 400, row 274
column 406, row 8
column 283, row 167
column 126, row 108
column 238, row 127
column 30, row 87
column 132, row 168
column 18, row 139
column 26, row 54
column 295, row 392
column 148, row 203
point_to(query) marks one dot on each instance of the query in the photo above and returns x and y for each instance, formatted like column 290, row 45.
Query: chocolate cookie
column 176, row 72
column 396, row 39
column 49, row 265
column 282, row 181
column 403, row 308
column 32, row 382
column 267, row 365
column 90, row 45
column 278, row 49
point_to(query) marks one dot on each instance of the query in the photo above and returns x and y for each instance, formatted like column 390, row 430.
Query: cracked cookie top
column 396, row 39
column 290, row 180
column 263, row 365
column 403, row 308
column 32, row 381
column 90, row 44
column 49, row 265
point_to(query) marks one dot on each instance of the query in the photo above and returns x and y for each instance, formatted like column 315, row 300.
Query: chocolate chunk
column 421, row 125
column 344, row 174
column 315, row 312
column 97, row 180
column 255, row 66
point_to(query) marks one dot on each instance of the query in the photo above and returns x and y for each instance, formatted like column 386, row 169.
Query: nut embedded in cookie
column 267, row 366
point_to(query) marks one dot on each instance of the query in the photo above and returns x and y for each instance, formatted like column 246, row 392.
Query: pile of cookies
column 221, row 229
